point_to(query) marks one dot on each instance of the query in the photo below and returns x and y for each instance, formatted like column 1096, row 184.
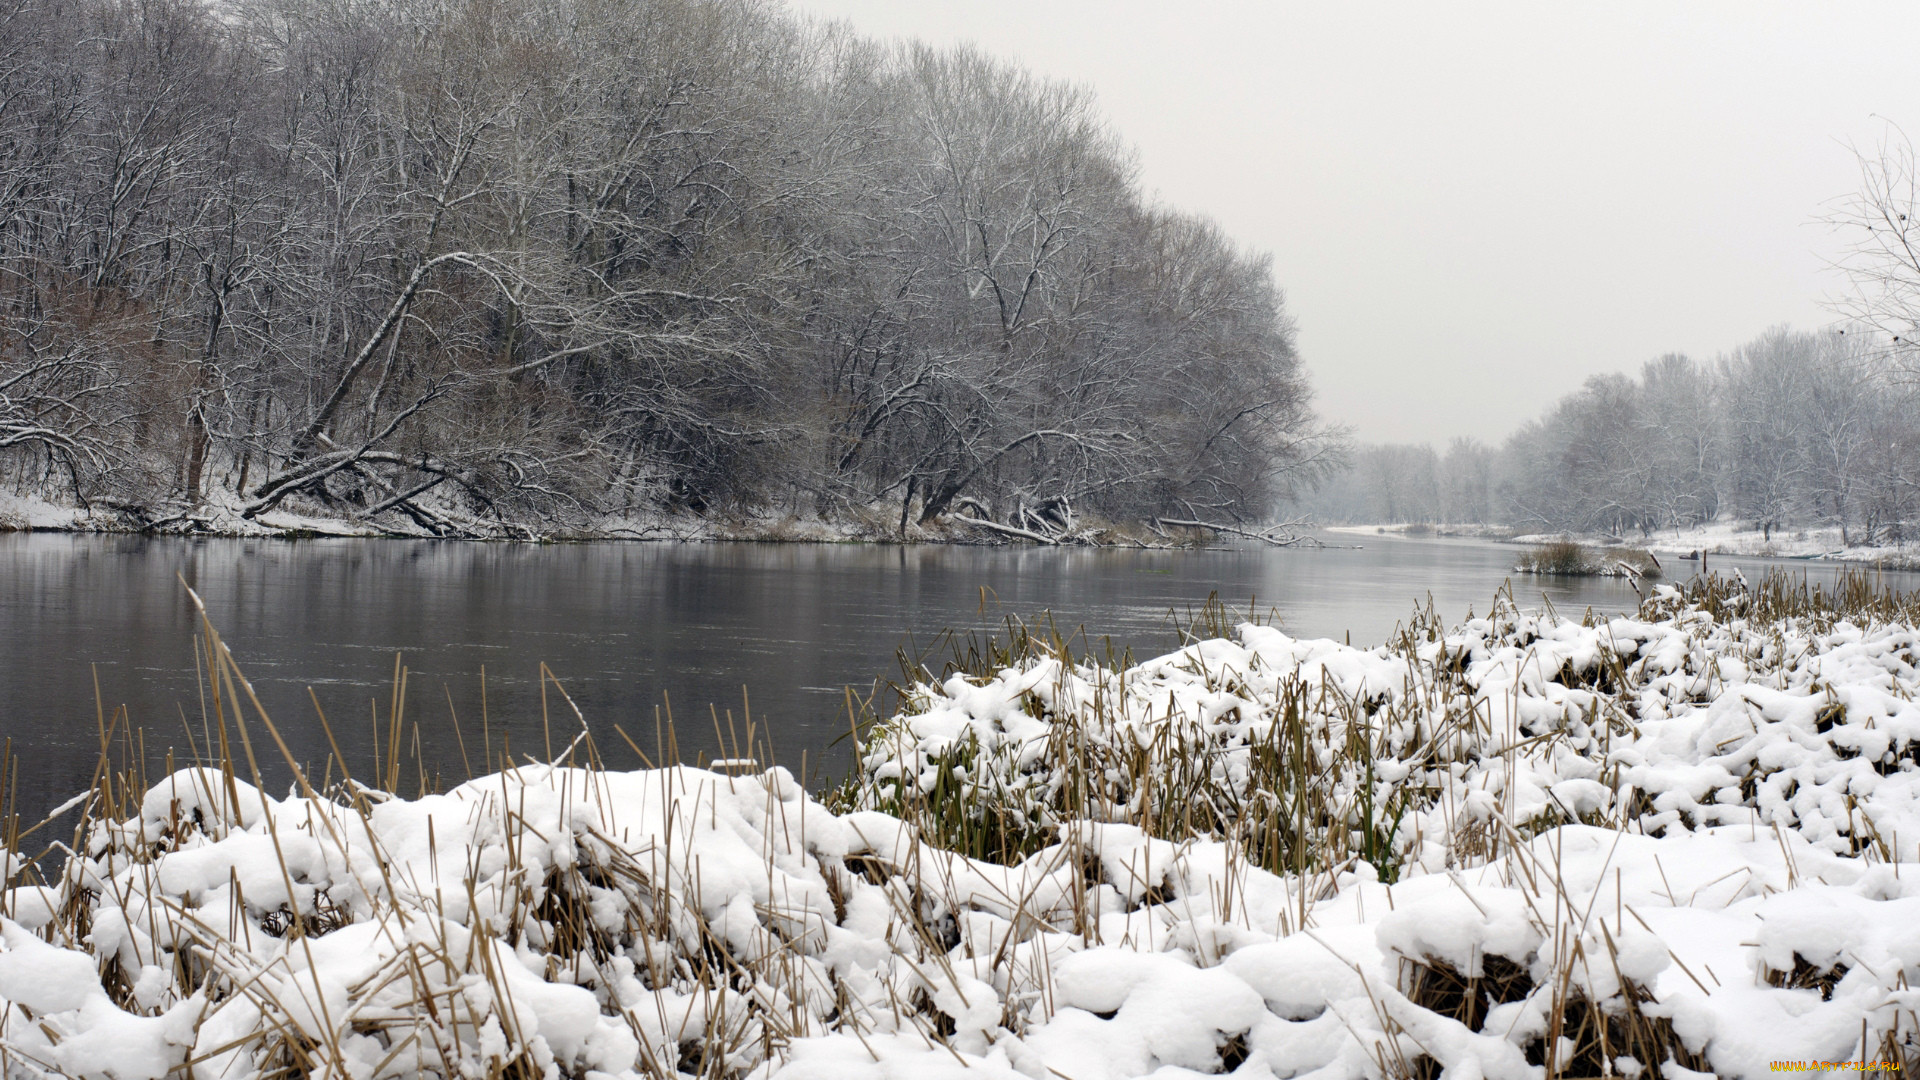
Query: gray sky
column 1472, row 207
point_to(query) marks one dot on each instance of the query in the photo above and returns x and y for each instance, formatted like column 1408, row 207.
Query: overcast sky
column 1473, row 207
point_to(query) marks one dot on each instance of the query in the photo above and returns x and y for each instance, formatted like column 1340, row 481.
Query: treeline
column 482, row 267
column 1791, row 429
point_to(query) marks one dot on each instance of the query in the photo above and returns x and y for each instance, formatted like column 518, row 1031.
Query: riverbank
column 1724, row 538
column 859, row 525
column 21, row 513
column 1665, row 845
column 1718, row 538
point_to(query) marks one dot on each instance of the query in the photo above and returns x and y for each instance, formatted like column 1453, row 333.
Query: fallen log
column 1286, row 540
column 1009, row 530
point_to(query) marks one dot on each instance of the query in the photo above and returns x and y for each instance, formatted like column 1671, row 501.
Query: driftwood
column 1284, row 539
column 1009, row 530
column 1042, row 532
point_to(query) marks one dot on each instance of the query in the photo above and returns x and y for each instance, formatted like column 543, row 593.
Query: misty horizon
column 1472, row 209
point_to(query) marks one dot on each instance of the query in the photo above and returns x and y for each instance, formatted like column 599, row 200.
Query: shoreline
column 1823, row 545
column 29, row 514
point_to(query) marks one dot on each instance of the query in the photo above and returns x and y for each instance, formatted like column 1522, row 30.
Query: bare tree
column 486, row 267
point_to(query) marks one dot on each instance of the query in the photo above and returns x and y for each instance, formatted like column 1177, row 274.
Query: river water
column 775, row 631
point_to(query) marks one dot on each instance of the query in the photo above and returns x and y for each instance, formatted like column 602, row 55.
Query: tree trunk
column 198, row 439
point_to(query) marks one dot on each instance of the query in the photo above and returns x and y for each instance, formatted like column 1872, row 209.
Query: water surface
column 625, row 627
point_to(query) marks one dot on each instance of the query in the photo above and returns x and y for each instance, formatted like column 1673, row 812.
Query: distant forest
column 1791, row 429
column 511, row 267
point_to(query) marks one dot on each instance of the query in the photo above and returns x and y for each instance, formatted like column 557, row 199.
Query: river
column 775, row 630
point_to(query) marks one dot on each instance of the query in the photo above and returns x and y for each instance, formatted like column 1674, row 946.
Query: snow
column 1710, row 806
column 19, row 512
column 221, row 514
column 1742, row 770
column 1723, row 537
column 1730, row 538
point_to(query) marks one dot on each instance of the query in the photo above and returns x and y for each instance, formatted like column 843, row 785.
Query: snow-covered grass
column 1655, row 824
column 1521, row 847
column 1567, row 558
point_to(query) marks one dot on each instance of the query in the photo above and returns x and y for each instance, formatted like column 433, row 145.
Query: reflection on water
column 623, row 626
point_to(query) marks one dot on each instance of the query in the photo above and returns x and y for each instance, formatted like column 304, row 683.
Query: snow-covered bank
column 1546, row 762
column 1717, row 538
column 1522, row 847
column 1725, row 538
column 222, row 517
